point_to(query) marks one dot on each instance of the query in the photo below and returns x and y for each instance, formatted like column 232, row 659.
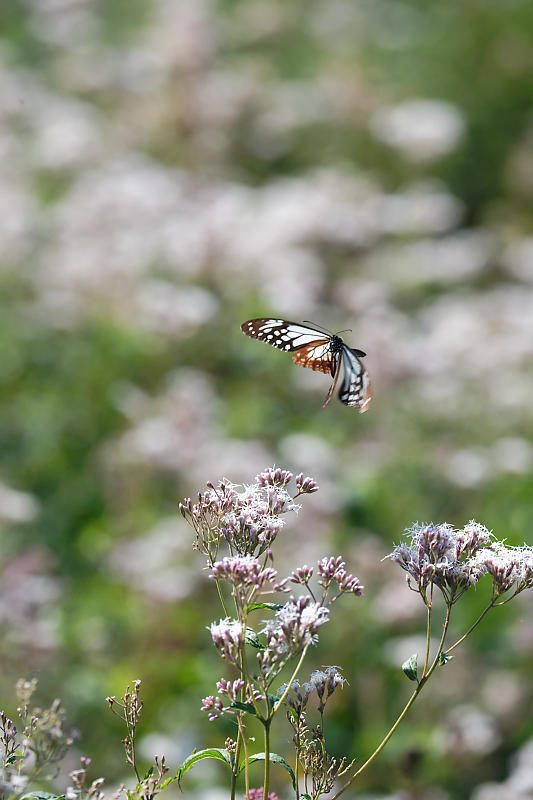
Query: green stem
column 266, row 779
column 291, row 681
column 297, row 771
column 245, row 746
column 221, row 596
column 235, row 770
column 410, row 702
column 428, row 637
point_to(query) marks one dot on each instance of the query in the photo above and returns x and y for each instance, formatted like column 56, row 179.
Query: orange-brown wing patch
column 317, row 356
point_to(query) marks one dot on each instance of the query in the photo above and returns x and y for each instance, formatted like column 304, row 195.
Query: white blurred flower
column 469, row 730
column 397, row 607
column 422, row 207
column 517, row 257
column 172, row 310
column 400, row 648
column 519, row 784
column 17, row 506
column 512, row 454
column 467, row 467
column 421, row 130
column 66, row 133
column 156, row 563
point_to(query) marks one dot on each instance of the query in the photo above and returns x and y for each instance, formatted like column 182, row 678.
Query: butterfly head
column 336, row 344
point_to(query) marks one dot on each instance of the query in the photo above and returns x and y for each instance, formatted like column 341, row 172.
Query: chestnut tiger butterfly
column 318, row 350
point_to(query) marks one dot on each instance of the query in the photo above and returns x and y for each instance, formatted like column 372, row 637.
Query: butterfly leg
column 334, row 384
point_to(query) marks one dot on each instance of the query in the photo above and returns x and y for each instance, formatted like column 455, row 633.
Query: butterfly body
column 320, row 351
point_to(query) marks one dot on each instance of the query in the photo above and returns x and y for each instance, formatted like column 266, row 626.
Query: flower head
column 243, row 571
column 444, row 556
column 228, row 637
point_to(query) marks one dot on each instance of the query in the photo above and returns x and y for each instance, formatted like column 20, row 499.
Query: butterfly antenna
column 316, row 325
column 346, row 330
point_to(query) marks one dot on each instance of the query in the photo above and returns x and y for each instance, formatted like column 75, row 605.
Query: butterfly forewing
column 282, row 333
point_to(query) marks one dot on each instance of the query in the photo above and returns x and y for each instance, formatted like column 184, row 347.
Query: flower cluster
column 331, row 572
column 293, row 628
column 243, row 571
column 228, row 638
column 233, row 690
column 322, row 681
column 248, row 520
column 509, row 567
column 258, row 794
column 37, row 746
column 453, row 560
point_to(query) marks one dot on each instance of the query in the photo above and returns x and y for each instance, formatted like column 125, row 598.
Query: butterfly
column 318, row 350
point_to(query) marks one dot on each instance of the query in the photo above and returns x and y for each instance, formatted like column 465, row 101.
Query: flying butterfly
column 318, row 350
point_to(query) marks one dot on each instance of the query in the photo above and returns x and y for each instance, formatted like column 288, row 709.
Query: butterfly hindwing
column 355, row 388
column 317, row 356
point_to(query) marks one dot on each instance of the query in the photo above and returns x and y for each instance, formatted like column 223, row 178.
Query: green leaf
column 270, row 606
column 166, row 782
column 210, row 752
column 410, row 667
column 148, row 773
column 250, row 637
column 444, row 658
column 41, row 796
column 247, row 707
column 12, row 759
column 276, row 759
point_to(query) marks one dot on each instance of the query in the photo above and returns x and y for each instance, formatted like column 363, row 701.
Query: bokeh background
column 170, row 168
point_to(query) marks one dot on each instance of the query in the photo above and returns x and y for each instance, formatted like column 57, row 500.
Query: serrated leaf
column 247, row 707
column 270, row 606
column 444, row 658
column 410, row 668
column 250, row 637
column 276, row 759
column 210, row 752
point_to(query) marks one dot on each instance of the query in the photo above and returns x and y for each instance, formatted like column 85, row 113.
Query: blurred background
column 170, row 168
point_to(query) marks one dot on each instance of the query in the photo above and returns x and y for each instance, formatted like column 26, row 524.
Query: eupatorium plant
column 264, row 641
column 268, row 624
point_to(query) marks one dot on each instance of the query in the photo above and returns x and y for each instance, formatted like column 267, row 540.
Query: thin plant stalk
column 266, row 780
column 471, row 628
column 403, row 714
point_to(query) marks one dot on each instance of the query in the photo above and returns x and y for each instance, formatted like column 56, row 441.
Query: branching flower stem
column 423, row 680
column 472, row 627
